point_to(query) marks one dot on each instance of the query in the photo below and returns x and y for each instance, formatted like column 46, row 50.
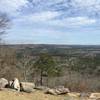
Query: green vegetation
column 46, row 65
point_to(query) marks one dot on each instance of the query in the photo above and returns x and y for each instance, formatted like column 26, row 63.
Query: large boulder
column 27, row 87
column 10, row 84
column 95, row 96
column 84, row 94
column 3, row 83
column 61, row 90
column 15, row 84
column 50, row 91
column 57, row 91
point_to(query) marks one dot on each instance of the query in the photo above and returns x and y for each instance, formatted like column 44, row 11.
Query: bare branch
column 4, row 24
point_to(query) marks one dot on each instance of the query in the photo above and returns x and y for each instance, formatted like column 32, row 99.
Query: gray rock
column 57, row 91
column 3, row 83
column 62, row 90
column 95, row 96
column 50, row 91
column 15, row 84
column 27, row 87
column 10, row 85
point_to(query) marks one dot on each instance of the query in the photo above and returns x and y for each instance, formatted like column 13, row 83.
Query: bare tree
column 4, row 24
column 25, row 64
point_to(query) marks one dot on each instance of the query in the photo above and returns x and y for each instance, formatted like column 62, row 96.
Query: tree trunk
column 47, row 81
column 25, row 74
column 25, row 79
column 41, row 78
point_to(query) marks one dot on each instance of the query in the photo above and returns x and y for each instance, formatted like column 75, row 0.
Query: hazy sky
column 53, row 21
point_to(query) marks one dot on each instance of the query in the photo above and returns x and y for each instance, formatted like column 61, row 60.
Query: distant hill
column 58, row 50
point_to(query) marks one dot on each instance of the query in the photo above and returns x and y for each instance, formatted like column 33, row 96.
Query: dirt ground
column 36, row 95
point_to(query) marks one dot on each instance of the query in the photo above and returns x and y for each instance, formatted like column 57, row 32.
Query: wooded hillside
column 76, row 67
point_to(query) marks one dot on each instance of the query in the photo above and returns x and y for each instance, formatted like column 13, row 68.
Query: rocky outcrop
column 61, row 90
column 3, row 83
column 15, row 84
column 95, row 96
column 10, row 84
column 57, row 91
column 50, row 91
column 27, row 87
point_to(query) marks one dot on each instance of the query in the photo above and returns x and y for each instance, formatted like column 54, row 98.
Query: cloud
column 37, row 17
column 51, row 18
column 61, row 13
column 74, row 21
column 10, row 6
column 87, row 3
column 67, row 7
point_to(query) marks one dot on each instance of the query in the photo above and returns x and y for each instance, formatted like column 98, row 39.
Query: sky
column 52, row 21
